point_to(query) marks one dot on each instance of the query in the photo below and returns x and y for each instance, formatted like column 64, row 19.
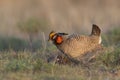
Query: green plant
column 112, row 37
column 31, row 27
column 111, row 57
column 16, row 44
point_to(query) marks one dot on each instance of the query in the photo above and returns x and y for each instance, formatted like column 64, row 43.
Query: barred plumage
column 76, row 45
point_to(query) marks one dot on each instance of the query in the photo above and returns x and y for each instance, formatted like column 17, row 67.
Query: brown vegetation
column 76, row 15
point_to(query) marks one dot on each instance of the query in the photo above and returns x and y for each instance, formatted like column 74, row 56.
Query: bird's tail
column 95, row 30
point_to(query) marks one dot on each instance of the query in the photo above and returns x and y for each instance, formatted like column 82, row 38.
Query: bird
column 76, row 45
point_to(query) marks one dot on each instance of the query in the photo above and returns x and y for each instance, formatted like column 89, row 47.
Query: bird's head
column 57, row 38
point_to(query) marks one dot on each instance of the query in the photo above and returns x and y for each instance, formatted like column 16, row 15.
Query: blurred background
column 25, row 24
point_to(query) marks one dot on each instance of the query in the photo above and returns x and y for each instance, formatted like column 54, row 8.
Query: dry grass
column 33, row 66
column 77, row 15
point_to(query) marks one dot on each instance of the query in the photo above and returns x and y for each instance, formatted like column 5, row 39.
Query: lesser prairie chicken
column 76, row 45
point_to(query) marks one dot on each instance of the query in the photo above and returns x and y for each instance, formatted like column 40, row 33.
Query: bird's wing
column 78, row 39
column 75, row 44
